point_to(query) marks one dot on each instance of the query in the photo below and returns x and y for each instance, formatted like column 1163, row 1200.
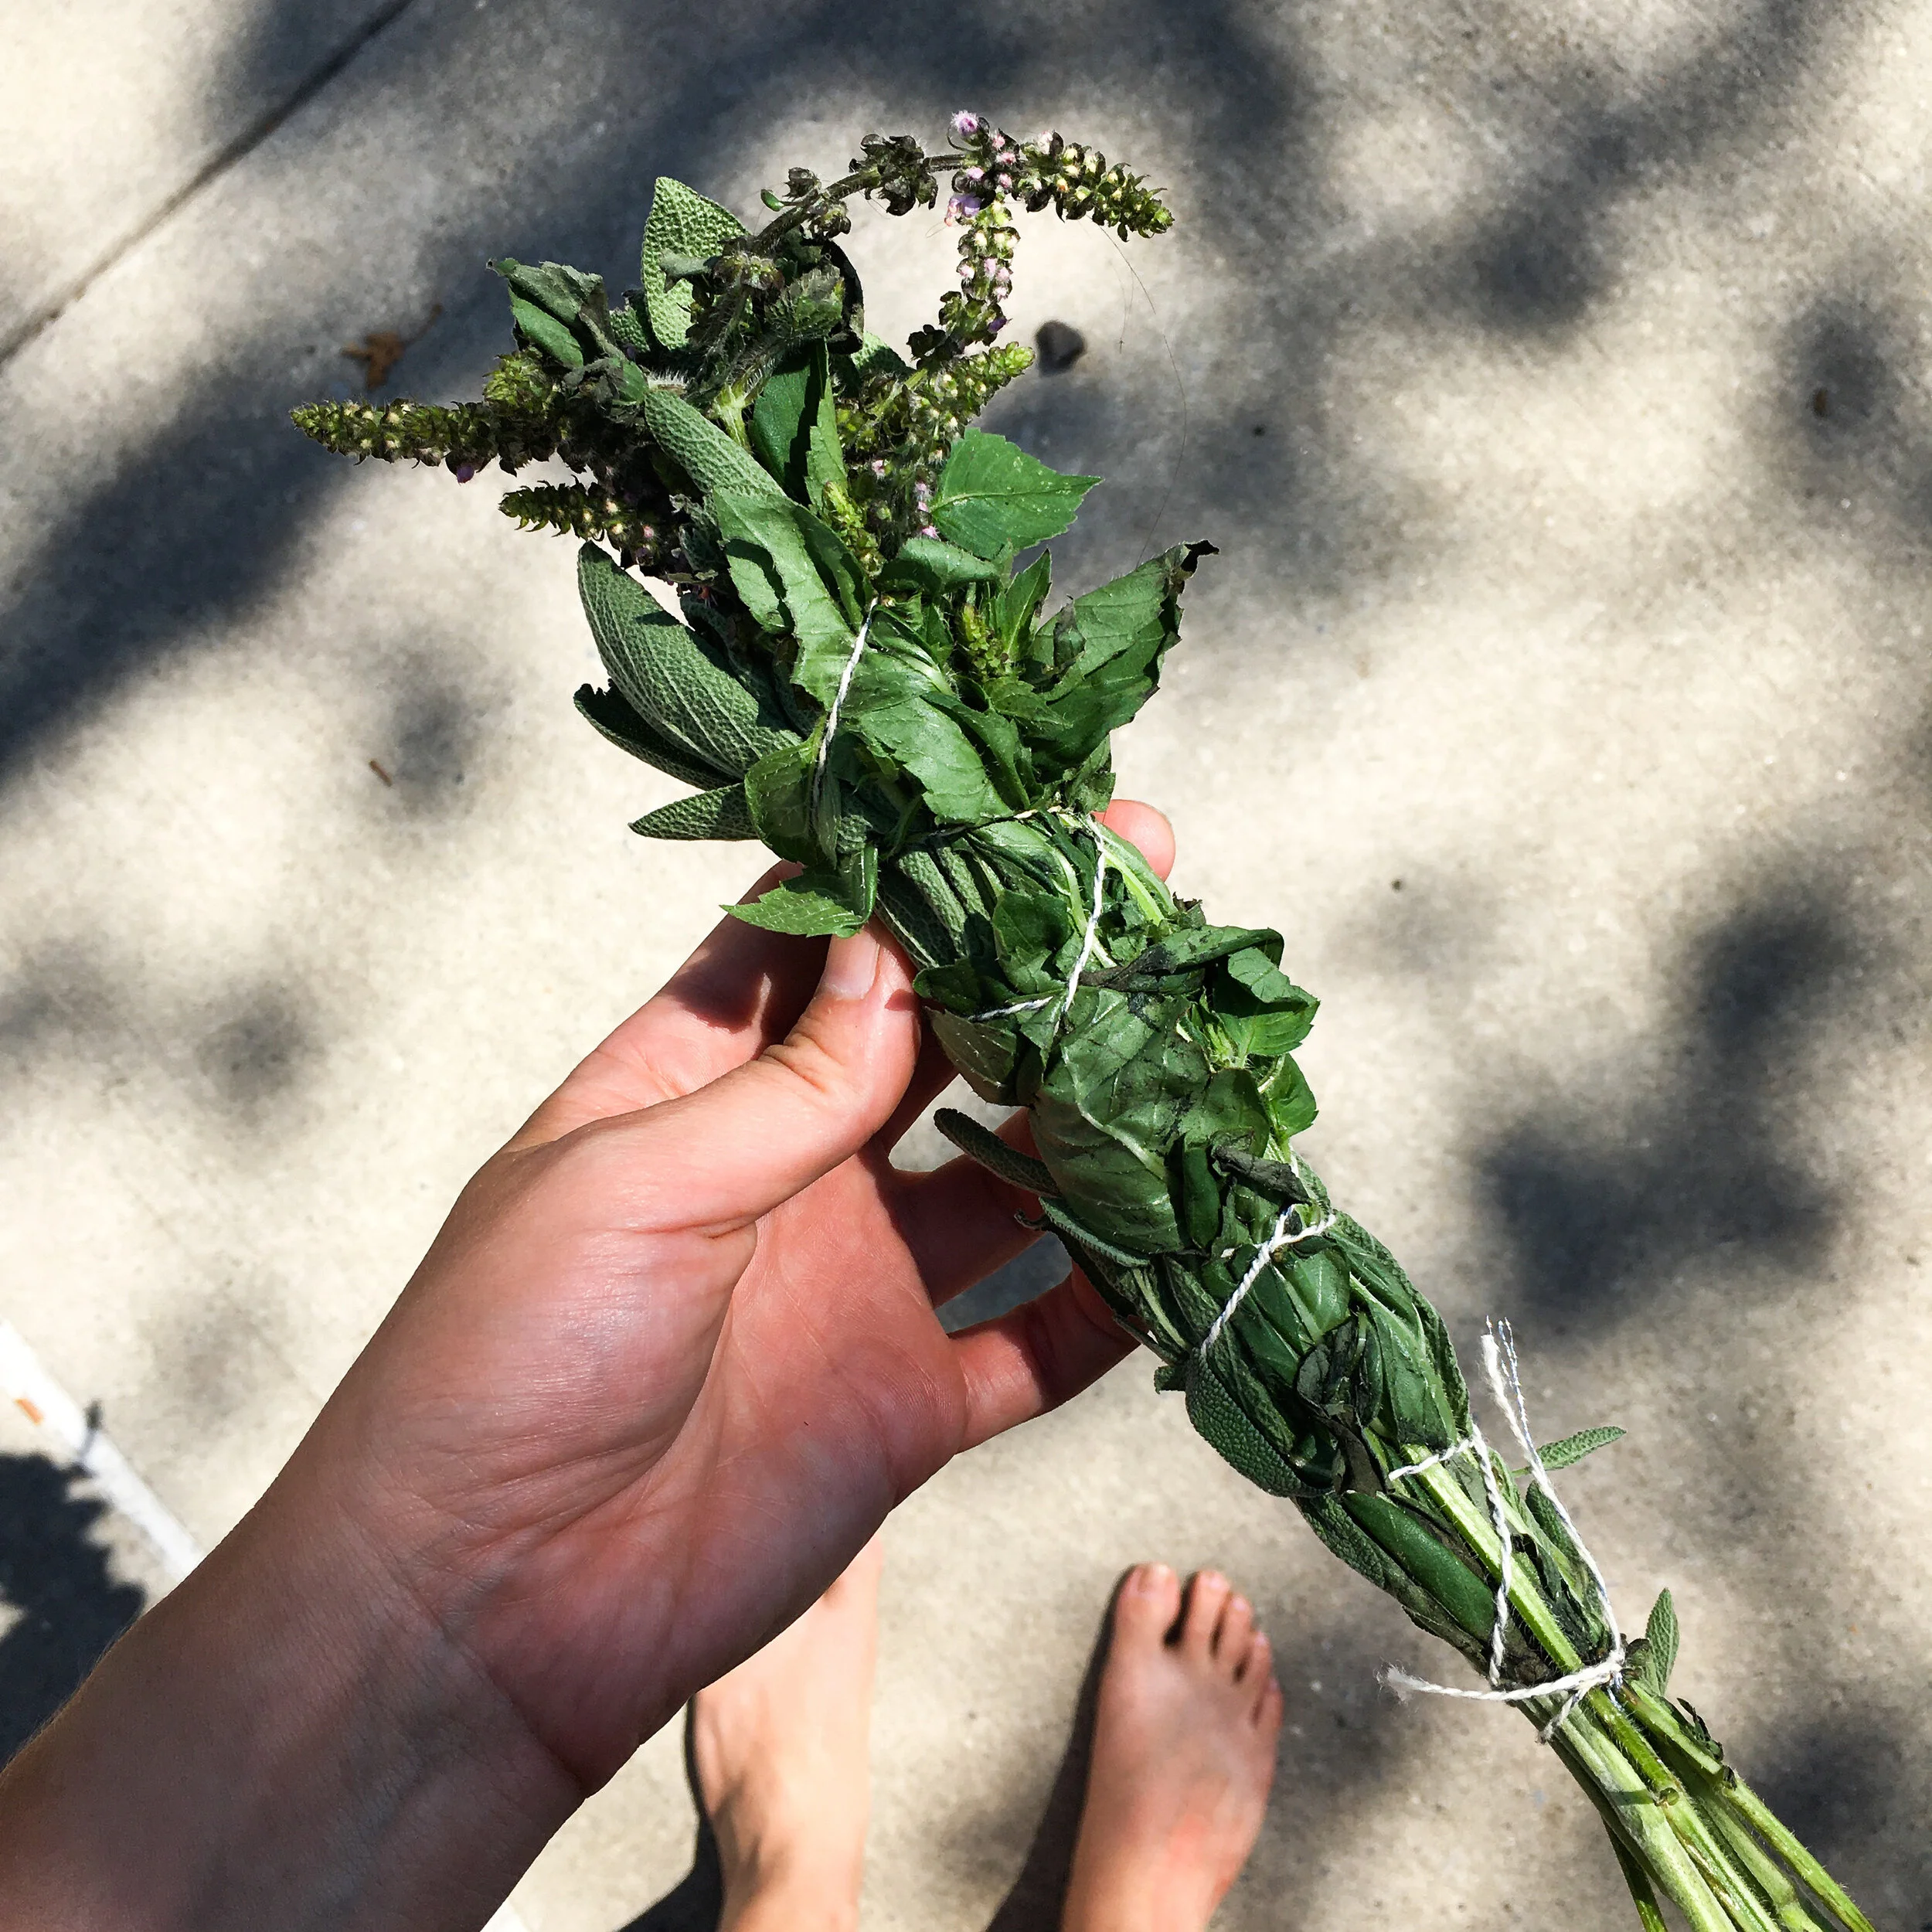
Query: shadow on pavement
column 66, row 1608
column 1603, row 1201
column 1034, row 1900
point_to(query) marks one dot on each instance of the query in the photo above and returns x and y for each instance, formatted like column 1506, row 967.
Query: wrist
column 287, row 1738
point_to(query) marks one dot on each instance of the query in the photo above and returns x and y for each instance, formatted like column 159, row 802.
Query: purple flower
column 964, row 126
column 971, row 175
column 878, row 466
column 998, row 322
column 929, row 529
column 967, row 270
column 465, row 471
column 962, row 208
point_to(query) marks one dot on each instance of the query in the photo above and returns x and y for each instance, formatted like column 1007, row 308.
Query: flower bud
column 965, row 126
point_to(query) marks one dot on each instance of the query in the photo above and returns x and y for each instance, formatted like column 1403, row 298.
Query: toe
column 1206, row 1596
column 1146, row 1605
column 1259, row 1676
column 1235, row 1635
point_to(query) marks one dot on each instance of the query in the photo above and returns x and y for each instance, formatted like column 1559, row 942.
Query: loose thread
column 838, row 704
column 1503, row 1372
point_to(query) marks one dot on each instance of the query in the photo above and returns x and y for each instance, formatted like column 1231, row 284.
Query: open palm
column 675, row 1354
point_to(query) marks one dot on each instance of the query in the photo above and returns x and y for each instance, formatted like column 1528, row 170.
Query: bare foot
column 1184, row 1742
column 782, row 1746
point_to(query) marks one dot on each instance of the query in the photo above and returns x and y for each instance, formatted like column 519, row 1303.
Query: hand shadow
column 58, row 1580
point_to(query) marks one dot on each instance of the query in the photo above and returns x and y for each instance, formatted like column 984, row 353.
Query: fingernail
column 852, row 965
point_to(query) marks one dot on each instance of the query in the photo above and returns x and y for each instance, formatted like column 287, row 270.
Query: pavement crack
column 243, row 145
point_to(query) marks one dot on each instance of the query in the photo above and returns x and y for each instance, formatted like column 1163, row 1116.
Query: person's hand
column 668, row 1366
column 674, row 1357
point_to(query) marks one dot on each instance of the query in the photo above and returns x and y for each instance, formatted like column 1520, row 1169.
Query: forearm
column 285, row 1741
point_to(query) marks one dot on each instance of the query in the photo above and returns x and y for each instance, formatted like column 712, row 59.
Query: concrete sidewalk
column 1554, row 382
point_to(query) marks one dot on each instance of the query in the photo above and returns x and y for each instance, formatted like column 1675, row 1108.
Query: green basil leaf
column 924, row 563
column 794, row 425
column 812, row 907
column 924, row 742
column 545, row 331
column 776, row 538
column 778, row 790
column 993, row 498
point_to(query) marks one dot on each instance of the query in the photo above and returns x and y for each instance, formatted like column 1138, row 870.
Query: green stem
column 1602, row 1769
column 1480, row 1533
column 861, row 181
column 1769, row 1876
column 1717, row 1855
column 1668, row 1728
column 1752, row 1809
column 1641, row 1895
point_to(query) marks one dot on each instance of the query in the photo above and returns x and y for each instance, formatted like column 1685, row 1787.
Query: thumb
column 765, row 1131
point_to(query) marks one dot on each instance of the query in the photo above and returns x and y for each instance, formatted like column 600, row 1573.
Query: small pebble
column 1060, row 346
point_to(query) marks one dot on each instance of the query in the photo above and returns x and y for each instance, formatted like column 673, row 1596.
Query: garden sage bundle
column 862, row 679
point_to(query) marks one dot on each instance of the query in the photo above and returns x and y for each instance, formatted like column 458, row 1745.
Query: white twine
column 1500, row 1367
column 1088, row 939
column 1281, row 1238
column 838, row 703
column 1092, row 936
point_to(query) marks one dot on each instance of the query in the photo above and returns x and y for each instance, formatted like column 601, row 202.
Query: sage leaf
column 545, row 333
column 611, row 712
column 722, row 813
column 1659, row 1645
column 703, row 451
column 1572, row 1449
column 678, row 681
column 681, row 222
column 982, row 1145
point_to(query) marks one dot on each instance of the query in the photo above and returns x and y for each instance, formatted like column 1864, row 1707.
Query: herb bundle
column 862, row 678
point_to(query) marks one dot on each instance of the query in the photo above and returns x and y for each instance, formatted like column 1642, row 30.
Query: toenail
column 1152, row 1576
column 1240, row 1606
